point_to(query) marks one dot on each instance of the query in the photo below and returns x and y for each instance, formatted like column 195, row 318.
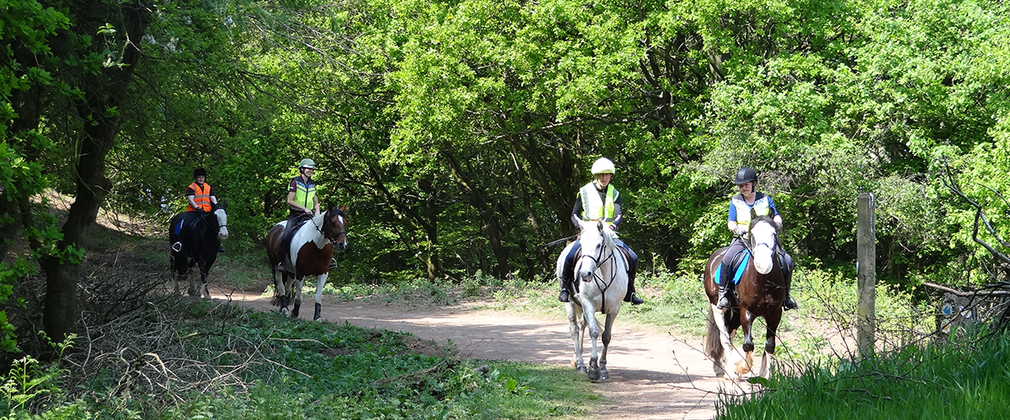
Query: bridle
column 598, row 260
column 751, row 246
column 322, row 229
column 216, row 221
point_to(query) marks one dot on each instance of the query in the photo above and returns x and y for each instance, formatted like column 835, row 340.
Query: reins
column 321, row 229
column 602, row 283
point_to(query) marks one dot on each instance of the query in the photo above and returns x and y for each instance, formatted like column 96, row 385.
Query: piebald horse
column 760, row 293
column 601, row 281
column 309, row 254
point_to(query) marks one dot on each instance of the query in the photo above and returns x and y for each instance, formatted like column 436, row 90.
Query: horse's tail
column 258, row 241
column 713, row 342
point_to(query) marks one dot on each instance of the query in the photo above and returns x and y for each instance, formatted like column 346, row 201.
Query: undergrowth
column 937, row 380
column 210, row 360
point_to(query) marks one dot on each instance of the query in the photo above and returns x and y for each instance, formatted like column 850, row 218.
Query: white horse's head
column 222, row 223
column 597, row 244
column 763, row 234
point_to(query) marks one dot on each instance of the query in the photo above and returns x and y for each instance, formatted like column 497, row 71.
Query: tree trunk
column 100, row 108
column 478, row 200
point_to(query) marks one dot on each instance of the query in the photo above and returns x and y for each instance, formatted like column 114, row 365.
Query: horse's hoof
column 581, row 369
column 284, row 311
column 594, row 375
column 604, row 375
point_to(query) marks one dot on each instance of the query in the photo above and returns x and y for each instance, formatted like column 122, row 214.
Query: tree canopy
column 458, row 132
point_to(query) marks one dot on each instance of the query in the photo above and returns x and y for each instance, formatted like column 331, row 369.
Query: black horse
column 195, row 240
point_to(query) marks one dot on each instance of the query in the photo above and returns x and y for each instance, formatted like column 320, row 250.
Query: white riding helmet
column 603, row 166
column 307, row 164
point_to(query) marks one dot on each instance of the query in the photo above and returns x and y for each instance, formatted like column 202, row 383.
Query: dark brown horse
column 760, row 293
column 309, row 254
column 195, row 240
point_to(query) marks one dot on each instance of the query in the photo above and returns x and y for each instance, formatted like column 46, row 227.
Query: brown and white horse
column 309, row 254
column 760, row 293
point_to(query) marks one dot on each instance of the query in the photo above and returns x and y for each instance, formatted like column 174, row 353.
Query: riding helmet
column 603, row 166
column 307, row 163
column 199, row 171
column 745, row 175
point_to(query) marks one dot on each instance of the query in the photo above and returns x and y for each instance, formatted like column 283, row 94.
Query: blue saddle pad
column 178, row 226
column 739, row 268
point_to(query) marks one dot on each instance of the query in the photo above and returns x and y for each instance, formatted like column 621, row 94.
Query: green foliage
column 929, row 381
column 29, row 382
column 293, row 369
column 26, row 28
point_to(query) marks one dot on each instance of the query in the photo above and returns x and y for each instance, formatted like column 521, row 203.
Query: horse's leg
column 576, row 327
column 594, row 335
column 320, row 283
column 744, row 366
column 713, row 342
column 178, row 271
column 282, row 292
column 772, row 325
column 725, row 338
column 192, row 290
column 202, row 288
column 298, row 298
column 205, row 266
column 607, row 329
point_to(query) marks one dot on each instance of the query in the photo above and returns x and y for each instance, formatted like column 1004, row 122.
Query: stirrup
column 723, row 302
column 333, row 264
column 789, row 303
column 177, row 246
column 635, row 300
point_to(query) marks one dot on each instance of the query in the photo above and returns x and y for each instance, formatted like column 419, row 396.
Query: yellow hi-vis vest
column 593, row 207
column 304, row 193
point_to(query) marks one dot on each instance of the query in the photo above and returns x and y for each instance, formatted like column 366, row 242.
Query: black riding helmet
column 199, row 171
column 745, row 175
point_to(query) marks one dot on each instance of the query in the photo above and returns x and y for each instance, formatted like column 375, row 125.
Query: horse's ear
column 599, row 225
column 343, row 209
column 222, row 204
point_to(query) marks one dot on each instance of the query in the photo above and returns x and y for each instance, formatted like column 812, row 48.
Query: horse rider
column 741, row 207
column 599, row 200
column 302, row 202
column 201, row 197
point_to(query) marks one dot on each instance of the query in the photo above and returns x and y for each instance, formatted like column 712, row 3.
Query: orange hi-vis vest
column 202, row 197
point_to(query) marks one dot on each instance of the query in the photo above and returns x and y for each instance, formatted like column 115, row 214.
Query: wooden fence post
column 866, row 273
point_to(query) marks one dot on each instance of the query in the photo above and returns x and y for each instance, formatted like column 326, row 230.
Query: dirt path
column 653, row 375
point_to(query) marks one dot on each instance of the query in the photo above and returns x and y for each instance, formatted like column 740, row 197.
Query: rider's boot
column 563, row 281
column 789, row 303
column 724, row 279
column 281, row 255
column 563, row 295
column 631, row 296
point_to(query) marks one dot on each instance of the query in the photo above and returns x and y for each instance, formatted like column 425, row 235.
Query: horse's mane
column 762, row 219
column 606, row 234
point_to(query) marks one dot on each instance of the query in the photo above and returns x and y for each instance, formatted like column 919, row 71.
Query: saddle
column 188, row 221
column 740, row 261
column 290, row 229
column 570, row 265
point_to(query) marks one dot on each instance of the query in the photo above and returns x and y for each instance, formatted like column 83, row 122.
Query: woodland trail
column 653, row 374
